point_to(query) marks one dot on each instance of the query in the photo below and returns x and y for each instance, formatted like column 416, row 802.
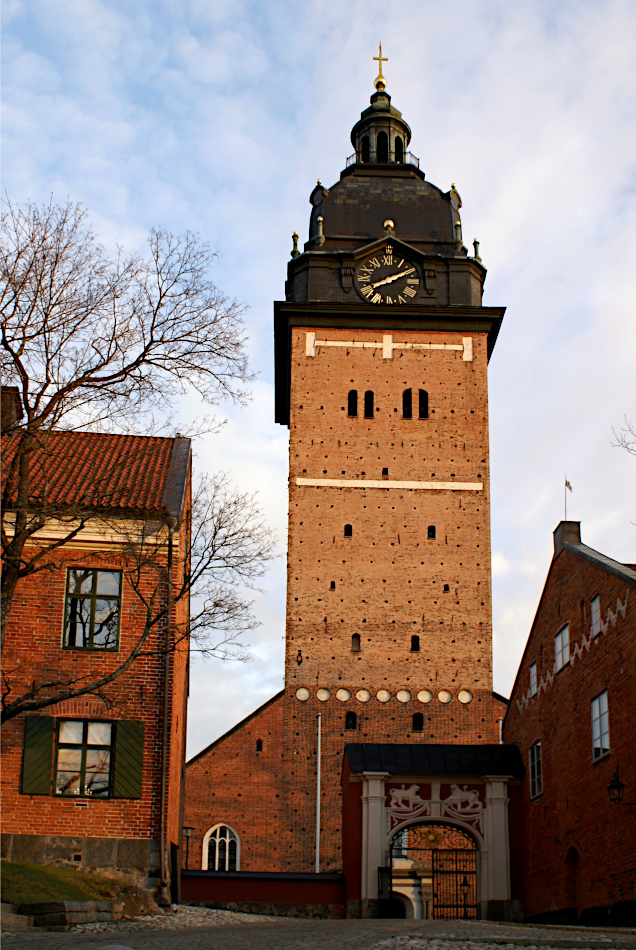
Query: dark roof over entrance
column 435, row 759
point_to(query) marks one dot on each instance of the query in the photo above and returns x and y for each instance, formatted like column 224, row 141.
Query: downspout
column 164, row 894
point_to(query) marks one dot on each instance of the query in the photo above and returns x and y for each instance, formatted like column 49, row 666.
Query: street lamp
column 464, row 888
column 187, row 831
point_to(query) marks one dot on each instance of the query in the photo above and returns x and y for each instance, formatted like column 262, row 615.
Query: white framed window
column 536, row 770
column 600, row 726
column 562, row 648
column 533, row 680
column 221, row 849
column 595, row 613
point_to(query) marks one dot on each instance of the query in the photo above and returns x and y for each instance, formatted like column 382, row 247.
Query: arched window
column 352, row 403
column 221, row 849
column 415, row 643
column 355, row 643
column 407, row 404
column 348, row 531
column 399, row 149
column 423, row 404
column 259, row 745
column 382, row 147
column 418, row 722
column 364, row 149
column 351, row 720
column 368, row 404
column 431, row 532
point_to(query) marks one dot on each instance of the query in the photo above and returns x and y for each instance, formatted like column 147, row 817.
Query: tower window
column 407, row 404
column 418, row 722
column 364, row 149
column 368, row 404
column 431, row 532
column 447, row 588
column 355, row 643
column 399, row 149
column 351, row 720
column 352, row 403
column 423, row 404
column 259, row 745
column 333, row 585
column 415, row 643
column 348, row 531
column 382, row 147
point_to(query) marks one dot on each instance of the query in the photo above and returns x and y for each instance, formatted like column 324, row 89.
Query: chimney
column 11, row 407
column 566, row 532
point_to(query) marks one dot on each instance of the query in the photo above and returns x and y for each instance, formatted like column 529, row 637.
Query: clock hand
column 389, row 280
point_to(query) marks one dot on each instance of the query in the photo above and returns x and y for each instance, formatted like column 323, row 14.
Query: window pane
column 97, row 772
column 212, row 855
column 106, row 618
column 80, row 581
column 232, row 855
column 67, row 783
column 222, row 853
column 99, row 733
column 71, row 731
column 78, row 622
column 109, row 583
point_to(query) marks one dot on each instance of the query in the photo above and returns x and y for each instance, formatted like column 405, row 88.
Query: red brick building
column 571, row 714
column 382, row 349
column 96, row 780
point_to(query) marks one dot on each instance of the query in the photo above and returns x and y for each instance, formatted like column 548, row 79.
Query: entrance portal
column 434, row 866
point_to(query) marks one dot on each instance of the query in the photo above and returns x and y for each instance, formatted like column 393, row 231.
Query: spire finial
column 380, row 81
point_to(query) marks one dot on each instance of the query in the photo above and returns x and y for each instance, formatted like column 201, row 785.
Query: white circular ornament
column 444, row 696
column 363, row 695
column 383, row 695
column 465, row 696
column 323, row 695
column 425, row 696
column 303, row 694
column 343, row 695
column 403, row 696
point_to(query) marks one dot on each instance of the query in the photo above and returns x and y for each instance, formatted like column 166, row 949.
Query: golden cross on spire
column 380, row 81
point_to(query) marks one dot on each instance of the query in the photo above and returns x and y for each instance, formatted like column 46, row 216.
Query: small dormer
column 381, row 136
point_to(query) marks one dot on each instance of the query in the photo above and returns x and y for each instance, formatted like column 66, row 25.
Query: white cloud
column 220, row 117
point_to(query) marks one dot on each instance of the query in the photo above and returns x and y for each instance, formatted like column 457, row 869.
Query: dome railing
column 409, row 159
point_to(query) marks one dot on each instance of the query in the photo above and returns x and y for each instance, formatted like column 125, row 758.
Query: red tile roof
column 108, row 472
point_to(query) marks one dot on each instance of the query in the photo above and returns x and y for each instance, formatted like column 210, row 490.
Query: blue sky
column 219, row 117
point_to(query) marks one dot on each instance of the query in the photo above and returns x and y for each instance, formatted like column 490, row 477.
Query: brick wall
column 33, row 652
column 574, row 814
column 389, row 580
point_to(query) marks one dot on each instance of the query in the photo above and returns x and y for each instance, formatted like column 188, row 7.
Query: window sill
column 601, row 758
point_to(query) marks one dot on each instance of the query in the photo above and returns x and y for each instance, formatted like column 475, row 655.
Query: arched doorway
column 434, row 865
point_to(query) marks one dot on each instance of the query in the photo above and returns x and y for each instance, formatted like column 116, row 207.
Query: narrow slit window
column 355, row 643
column 382, row 147
column 333, row 585
column 407, row 404
column 562, row 648
column 368, row 404
column 351, row 720
column 431, row 532
column 352, row 403
column 600, row 726
column 536, row 770
column 415, row 643
column 348, row 531
column 595, row 611
column 418, row 722
column 423, row 404
column 259, row 745
column 534, row 687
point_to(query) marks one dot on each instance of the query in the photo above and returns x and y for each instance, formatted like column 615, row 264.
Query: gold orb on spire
column 380, row 81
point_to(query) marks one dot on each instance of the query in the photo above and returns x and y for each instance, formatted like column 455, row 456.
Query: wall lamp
column 187, row 831
column 616, row 789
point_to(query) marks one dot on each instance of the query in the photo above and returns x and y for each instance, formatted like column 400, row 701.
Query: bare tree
column 94, row 343
column 626, row 437
column 88, row 342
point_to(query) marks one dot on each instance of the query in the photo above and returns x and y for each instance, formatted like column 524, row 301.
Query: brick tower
column 382, row 348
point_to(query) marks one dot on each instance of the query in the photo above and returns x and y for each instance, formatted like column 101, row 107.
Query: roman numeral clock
column 387, row 279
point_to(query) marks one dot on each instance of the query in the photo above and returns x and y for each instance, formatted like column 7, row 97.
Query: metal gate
column 454, row 885
column 445, row 859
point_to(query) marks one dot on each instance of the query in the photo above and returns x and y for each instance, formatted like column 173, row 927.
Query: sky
column 218, row 118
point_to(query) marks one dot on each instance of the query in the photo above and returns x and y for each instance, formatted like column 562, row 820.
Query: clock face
column 387, row 278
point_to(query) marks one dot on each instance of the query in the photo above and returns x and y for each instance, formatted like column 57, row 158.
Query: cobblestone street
column 201, row 929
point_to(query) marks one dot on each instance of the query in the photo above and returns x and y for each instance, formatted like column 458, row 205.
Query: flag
column 567, row 484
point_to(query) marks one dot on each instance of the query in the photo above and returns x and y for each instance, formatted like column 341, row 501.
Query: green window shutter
column 38, row 755
column 129, row 750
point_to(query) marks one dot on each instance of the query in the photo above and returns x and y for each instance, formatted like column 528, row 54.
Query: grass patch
column 34, row 883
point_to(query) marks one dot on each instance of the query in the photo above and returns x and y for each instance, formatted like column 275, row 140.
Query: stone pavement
column 197, row 932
